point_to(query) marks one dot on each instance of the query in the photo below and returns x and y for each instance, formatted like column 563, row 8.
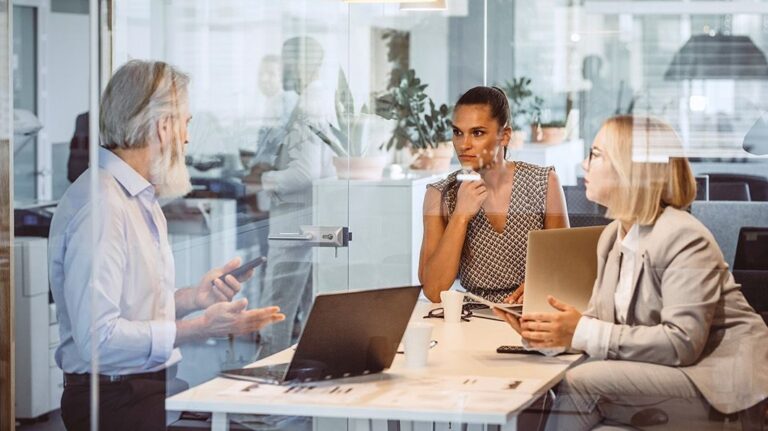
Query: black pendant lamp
column 718, row 56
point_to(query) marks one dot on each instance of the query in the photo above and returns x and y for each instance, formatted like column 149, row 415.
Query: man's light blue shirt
column 112, row 274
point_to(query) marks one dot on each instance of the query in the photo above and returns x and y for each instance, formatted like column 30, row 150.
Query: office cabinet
column 385, row 218
column 565, row 157
column 39, row 382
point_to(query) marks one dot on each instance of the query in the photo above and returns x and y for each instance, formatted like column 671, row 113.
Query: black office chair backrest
column 729, row 191
column 702, row 187
column 581, row 211
column 757, row 184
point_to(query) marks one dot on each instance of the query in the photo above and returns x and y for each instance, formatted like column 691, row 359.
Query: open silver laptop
column 561, row 263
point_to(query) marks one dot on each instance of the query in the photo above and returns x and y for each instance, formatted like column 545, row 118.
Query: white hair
column 137, row 97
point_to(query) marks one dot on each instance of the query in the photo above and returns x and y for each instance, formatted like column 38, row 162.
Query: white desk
column 463, row 349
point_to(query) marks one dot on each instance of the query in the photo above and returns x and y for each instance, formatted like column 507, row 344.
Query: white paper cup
column 418, row 335
column 452, row 302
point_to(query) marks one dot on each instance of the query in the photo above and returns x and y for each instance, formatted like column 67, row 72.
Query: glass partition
column 313, row 128
column 7, row 371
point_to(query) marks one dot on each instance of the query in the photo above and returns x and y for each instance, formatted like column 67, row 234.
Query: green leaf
column 335, row 147
column 341, row 136
column 345, row 105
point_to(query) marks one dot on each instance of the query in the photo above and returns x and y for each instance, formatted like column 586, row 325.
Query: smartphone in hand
column 244, row 268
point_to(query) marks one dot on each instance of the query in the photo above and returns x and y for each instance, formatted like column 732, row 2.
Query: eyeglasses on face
column 593, row 154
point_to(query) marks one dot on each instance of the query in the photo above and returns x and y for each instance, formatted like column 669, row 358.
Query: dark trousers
column 137, row 403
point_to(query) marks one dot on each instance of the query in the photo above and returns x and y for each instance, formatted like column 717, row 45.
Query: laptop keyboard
column 275, row 372
column 267, row 373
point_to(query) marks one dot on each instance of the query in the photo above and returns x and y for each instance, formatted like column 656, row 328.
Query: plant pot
column 360, row 168
column 517, row 140
column 547, row 135
column 433, row 159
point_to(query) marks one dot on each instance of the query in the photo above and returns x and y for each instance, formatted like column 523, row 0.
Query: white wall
column 67, row 73
column 429, row 53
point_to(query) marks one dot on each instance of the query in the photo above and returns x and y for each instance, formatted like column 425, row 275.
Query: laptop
column 346, row 334
column 752, row 249
column 561, row 263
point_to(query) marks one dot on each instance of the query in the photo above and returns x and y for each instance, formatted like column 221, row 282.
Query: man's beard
column 169, row 174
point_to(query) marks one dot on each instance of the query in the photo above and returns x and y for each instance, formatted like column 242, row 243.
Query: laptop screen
column 352, row 333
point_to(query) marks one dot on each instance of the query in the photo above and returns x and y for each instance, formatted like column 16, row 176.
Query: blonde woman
column 668, row 332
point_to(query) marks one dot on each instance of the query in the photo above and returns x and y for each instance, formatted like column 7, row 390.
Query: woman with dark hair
column 476, row 226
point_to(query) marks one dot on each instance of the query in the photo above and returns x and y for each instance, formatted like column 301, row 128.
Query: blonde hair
column 645, row 152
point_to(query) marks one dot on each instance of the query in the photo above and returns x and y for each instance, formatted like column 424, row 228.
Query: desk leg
column 219, row 422
column 509, row 426
column 393, row 425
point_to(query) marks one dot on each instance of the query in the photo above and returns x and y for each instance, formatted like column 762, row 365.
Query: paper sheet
column 317, row 392
column 455, row 393
column 459, row 393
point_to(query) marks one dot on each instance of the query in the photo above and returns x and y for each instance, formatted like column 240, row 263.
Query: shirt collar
column 630, row 241
column 131, row 181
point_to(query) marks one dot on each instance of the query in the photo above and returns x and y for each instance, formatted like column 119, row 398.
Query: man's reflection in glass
column 274, row 111
column 299, row 159
column 259, row 152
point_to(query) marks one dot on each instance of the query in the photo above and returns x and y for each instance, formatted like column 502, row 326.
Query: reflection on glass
column 300, row 158
column 264, row 79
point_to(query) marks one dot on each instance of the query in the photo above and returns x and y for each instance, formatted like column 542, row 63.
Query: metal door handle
column 296, row 236
column 317, row 236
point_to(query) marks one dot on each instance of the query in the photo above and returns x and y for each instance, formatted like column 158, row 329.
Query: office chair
column 758, row 185
column 702, row 187
column 729, row 191
column 582, row 212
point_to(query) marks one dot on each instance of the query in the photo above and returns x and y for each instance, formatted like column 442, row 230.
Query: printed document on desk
column 316, row 392
column 458, row 393
column 472, row 393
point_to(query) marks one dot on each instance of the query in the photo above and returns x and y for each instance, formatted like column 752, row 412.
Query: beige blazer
column 686, row 311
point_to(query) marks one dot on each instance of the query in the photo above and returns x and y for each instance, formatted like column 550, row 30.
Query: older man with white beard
column 111, row 266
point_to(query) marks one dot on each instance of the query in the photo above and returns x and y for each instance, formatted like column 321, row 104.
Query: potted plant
column 524, row 107
column 419, row 124
column 435, row 150
column 552, row 132
column 356, row 141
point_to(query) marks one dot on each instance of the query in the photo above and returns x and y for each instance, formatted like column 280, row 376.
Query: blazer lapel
column 609, row 282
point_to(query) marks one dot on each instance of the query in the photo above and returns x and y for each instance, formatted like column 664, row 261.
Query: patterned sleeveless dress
column 493, row 264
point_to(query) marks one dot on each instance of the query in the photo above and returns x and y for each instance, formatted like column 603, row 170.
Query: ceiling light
column 423, row 5
column 386, row 1
column 718, row 57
